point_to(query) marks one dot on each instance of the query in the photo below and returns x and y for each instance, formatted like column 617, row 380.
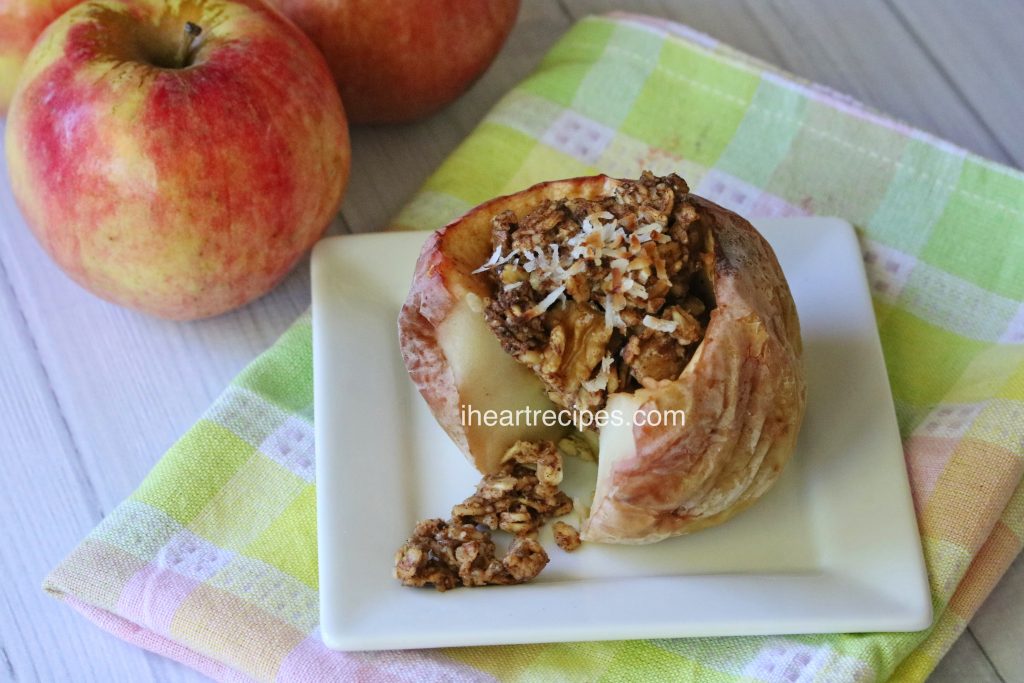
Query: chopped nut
column 599, row 274
column 566, row 536
column 416, row 563
column 525, row 559
column 519, row 498
column 522, row 495
column 658, row 356
column 516, row 522
column 446, row 555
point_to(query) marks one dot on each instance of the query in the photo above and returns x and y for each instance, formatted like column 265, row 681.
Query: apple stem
column 188, row 39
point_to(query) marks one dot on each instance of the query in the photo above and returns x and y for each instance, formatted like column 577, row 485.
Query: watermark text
column 565, row 417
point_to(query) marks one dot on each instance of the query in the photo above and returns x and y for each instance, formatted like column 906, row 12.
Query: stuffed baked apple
column 627, row 297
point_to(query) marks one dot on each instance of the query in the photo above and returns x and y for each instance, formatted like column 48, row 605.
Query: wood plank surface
column 91, row 394
column 979, row 49
column 998, row 626
column 966, row 663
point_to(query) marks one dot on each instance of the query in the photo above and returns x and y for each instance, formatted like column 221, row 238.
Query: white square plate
column 833, row 547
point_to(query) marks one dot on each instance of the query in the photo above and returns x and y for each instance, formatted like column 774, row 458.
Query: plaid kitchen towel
column 212, row 561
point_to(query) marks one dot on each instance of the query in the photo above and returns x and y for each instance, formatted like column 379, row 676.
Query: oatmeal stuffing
column 448, row 554
column 602, row 295
column 522, row 495
column 519, row 498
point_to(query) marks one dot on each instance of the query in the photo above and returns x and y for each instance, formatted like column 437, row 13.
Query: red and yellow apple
column 399, row 60
column 177, row 158
column 742, row 393
column 21, row 22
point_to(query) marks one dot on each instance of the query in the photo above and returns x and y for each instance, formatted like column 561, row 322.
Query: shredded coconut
column 619, row 283
column 600, row 380
column 491, row 262
column 600, row 240
column 545, row 303
column 496, row 260
column 611, row 311
column 659, row 324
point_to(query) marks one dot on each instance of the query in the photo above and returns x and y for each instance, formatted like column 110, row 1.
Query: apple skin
column 399, row 60
column 181, row 192
column 21, row 22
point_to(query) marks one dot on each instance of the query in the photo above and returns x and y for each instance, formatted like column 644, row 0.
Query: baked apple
column 634, row 299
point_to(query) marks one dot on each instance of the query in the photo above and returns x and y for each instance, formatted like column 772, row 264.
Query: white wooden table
column 91, row 395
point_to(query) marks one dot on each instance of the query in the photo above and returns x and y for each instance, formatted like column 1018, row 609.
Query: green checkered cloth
column 213, row 560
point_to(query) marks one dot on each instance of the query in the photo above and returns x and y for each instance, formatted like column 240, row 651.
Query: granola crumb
column 519, row 498
column 522, row 495
column 447, row 555
column 566, row 536
column 602, row 295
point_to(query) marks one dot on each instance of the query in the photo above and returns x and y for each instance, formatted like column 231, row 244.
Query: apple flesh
column 743, row 392
column 21, row 22
column 396, row 60
column 459, row 365
column 177, row 159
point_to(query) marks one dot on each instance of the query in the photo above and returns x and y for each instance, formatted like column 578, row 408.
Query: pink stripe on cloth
column 153, row 595
column 927, row 457
column 131, row 632
column 311, row 661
